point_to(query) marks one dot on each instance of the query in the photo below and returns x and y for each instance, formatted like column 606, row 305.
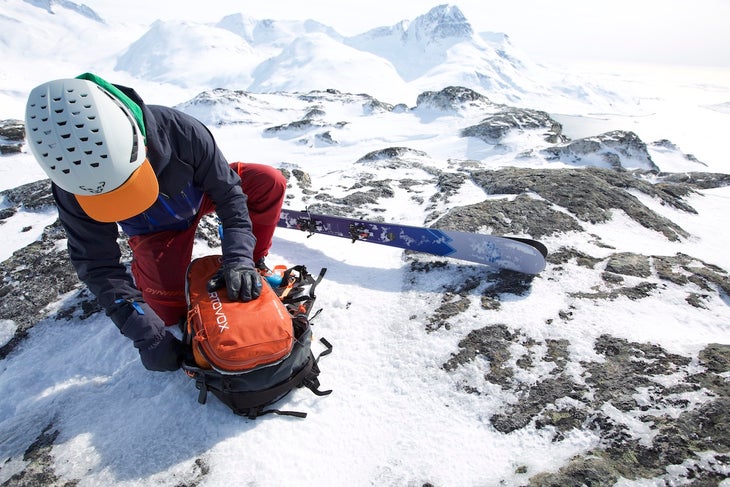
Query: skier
column 155, row 172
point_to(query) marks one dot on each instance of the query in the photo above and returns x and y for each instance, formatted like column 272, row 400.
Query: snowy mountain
column 434, row 50
column 170, row 48
column 610, row 367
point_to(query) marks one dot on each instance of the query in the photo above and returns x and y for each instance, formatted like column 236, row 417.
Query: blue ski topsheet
column 521, row 255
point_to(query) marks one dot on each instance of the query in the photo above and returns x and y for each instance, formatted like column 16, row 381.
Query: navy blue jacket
column 187, row 163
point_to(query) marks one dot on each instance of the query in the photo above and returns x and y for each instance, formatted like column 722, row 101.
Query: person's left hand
column 243, row 283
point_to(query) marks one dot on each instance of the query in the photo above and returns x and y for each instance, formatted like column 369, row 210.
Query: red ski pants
column 160, row 259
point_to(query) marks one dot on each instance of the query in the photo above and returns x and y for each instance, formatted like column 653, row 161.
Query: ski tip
column 539, row 246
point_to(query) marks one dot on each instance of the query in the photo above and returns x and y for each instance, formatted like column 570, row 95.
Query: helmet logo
column 99, row 188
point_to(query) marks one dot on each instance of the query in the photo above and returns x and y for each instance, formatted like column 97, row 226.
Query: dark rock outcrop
column 493, row 128
column 619, row 150
column 12, row 133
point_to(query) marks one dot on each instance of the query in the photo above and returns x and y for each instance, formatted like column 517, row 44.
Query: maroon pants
column 160, row 259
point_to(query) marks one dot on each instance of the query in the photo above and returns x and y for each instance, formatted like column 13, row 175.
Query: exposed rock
column 315, row 112
column 31, row 279
column 715, row 357
column 12, row 134
column 39, row 469
column 12, row 129
column 629, row 264
column 303, row 178
column 613, row 383
column 521, row 216
column 375, row 106
column 31, row 196
column 493, row 128
column 563, row 255
column 697, row 180
column 447, row 310
column 682, row 269
column 296, row 126
column 391, row 153
column 452, row 98
column 325, row 138
column 665, row 144
column 640, row 291
column 600, row 191
column 618, row 150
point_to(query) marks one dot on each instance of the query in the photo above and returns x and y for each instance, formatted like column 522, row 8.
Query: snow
column 396, row 417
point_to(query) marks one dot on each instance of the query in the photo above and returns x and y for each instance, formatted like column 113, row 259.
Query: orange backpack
column 251, row 354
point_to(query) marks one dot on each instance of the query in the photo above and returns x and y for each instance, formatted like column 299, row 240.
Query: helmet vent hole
column 84, row 139
column 79, row 125
column 65, row 171
column 88, row 152
column 58, row 110
column 70, row 149
column 53, row 168
column 61, row 123
column 65, row 136
column 77, row 163
column 94, row 164
column 133, row 157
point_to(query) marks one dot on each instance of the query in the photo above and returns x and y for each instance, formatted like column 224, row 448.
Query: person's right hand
column 243, row 283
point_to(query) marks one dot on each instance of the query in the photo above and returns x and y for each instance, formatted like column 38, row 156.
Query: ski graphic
column 517, row 254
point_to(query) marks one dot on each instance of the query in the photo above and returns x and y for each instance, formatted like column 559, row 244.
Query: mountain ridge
column 424, row 52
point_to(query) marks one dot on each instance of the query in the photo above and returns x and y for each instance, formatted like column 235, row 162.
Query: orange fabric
column 138, row 193
column 233, row 336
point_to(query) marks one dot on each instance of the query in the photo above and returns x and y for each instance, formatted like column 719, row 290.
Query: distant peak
column 441, row 22
column 80, row 9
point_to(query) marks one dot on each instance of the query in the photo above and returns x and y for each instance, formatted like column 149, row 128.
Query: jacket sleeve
column 95, row 253
column 213, row 174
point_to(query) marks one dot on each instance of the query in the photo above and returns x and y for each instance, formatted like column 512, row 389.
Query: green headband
column 126, row 101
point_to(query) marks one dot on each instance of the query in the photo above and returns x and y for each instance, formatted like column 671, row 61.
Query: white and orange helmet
column 89, row 139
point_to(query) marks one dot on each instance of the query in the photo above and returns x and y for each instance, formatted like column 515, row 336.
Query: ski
column 516, row 254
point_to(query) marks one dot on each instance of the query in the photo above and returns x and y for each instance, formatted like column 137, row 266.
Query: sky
column 648, row 31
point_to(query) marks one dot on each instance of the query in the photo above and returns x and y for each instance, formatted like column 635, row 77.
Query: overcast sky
column 661, row 31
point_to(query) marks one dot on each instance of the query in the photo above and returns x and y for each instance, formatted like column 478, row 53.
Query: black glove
column 166, row 355
column 243, row 283
column 159, row 349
